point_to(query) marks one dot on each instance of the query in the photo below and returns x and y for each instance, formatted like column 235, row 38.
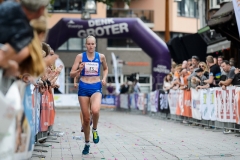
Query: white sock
column 94, row 130
column 87, row 143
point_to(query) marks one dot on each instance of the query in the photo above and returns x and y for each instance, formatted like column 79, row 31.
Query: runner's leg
column 95, row 108
column 84, row 102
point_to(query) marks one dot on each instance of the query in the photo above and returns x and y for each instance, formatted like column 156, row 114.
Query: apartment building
column 183, row 19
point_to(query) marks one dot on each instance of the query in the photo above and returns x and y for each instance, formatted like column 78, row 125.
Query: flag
column 116, row 73
column 236, row 6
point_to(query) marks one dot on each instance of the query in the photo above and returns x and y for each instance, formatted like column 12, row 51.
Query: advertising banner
column 196, row 114
column 173, row 97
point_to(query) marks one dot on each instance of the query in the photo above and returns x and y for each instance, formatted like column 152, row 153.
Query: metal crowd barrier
column 146, row 107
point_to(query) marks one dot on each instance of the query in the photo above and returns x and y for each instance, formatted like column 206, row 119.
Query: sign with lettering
column 133, row 28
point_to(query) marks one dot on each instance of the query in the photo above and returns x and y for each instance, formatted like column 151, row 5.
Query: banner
column 141, row 101
column 163, row 101
column 29, row 114
column 173, row 100
column 51, row 108
column 66, row 100
column 37, row 102
column 153, row 100
column 205, row 110
column 124, row 101
column 195, row 100
column 230, row 111
column 237, row 104
column 61, row 77
column 179, row 108
column 45, row 112
column 132, row 100
column 236, row 6
column 116, row 73
column 8, row 138
column 221, row 105
column 108, row 100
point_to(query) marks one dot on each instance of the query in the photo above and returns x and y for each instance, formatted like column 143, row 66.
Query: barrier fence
column 26, row 118
column 213, row 108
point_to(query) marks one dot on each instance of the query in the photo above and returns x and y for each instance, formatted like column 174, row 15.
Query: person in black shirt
column 15, row 30
column 214, row 74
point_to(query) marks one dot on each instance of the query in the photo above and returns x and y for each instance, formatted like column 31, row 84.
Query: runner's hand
column 104, row 82
column 75, row 85
column 81, row 66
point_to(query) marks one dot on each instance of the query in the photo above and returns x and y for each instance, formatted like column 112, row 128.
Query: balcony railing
column 145, row 15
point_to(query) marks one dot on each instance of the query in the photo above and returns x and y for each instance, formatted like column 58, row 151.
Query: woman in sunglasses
column 203, row 65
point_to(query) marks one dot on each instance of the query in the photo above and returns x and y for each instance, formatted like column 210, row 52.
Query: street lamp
column 90, row 7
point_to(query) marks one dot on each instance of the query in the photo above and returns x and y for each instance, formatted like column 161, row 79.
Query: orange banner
column 137, row 63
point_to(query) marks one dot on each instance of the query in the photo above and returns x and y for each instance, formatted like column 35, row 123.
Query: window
column 122, row 43
column 144, row 79
column 111, row 79
column 214, row 4
column 74, row 6
column 187, row 8
column 73, row 44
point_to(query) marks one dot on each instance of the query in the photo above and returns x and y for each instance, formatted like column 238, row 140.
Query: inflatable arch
column 132, row 28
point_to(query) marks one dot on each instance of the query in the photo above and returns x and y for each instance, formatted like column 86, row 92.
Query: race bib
column 91, row 68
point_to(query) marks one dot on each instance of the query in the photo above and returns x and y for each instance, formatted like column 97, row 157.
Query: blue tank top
column 92, row 68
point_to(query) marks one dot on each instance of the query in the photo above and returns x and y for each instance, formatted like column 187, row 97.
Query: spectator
column 191, row 69
column 136, row 86
column 195, row 62
column 184, row 79
column 177, row 72
column 173, row 68
column 110, row 88
column 124, row 88
column 230, row 71
column 167, row 82
column 184, row 65
column 199, row 79
column 232, row 62
column 15, row 30
column 215, row 72
column 189, row 62
column 215, row 61
column 220, row 60
column 203, row 65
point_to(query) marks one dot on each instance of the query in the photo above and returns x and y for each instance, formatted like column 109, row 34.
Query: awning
column 218, row 46
column 223, row 15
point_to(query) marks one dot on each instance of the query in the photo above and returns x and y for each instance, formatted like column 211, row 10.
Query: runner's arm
column 105, row 67
column 75, row 70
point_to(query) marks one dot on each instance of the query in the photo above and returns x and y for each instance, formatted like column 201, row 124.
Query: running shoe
column 95, row 137
column 86, row 149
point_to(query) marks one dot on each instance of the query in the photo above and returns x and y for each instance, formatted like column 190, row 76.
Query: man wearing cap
column 15, row 30
column 230, row 71
column 195, row 62
column 200, row 78
column 215, row 72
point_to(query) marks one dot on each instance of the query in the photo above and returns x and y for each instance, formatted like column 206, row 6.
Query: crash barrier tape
column 212, row 108
column 26, row 118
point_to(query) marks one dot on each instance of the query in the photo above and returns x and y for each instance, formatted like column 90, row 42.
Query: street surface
column 134, row 136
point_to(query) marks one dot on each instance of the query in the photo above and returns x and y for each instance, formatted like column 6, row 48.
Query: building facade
column 183, row 19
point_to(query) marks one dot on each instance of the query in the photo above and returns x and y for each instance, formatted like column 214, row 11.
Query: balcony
column 145, row 15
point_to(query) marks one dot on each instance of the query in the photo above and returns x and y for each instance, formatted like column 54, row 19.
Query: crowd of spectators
column 23, row 54
column 193, row 73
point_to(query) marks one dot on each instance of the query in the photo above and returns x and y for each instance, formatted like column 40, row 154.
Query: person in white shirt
column 136, row 86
